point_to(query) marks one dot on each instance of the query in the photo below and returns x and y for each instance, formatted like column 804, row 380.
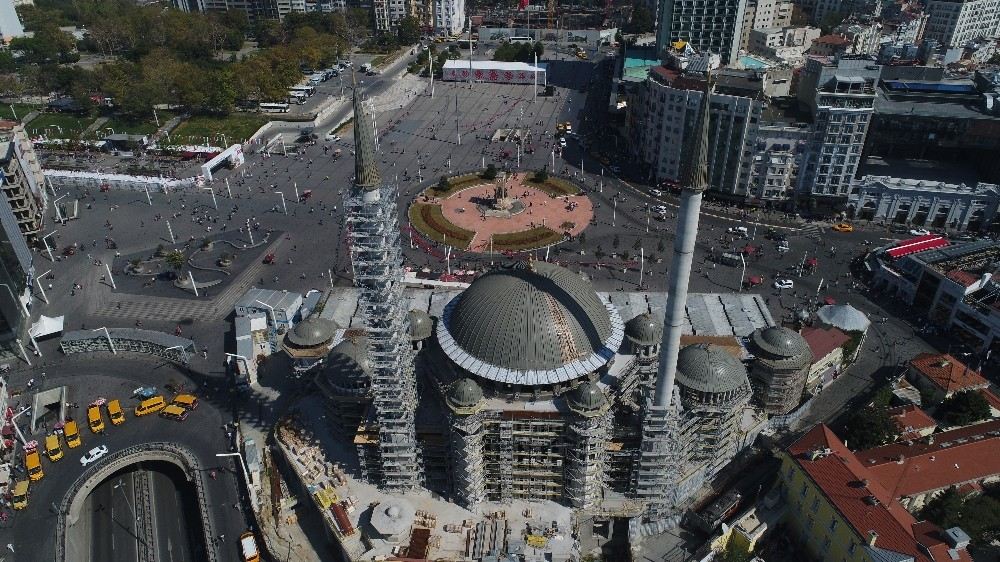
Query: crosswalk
column 812, row 230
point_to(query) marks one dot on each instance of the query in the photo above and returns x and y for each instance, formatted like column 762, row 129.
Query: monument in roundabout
column 503, row 212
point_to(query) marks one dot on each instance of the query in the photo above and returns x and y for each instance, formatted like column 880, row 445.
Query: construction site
column 476, row 422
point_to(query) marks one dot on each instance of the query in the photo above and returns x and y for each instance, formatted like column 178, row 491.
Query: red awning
column 812, row 261
column 756, row 280
column 749, row 249
column 829, row 301
column 918, row 244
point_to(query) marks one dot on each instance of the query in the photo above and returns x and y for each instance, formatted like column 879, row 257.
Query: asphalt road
column 113, row 522
column 104, row 375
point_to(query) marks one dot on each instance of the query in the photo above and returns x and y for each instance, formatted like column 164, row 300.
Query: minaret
column 688, row 214
column 376, row 257
column 662, row 480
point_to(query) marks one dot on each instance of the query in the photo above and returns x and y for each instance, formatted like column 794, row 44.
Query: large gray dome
column 587, row 397
column 421, row 325
column 645, row 329
column 312, row 331
column 708, row 368
column 465, row 393
column 780, row 341
column 347, row 368
column 534, row 319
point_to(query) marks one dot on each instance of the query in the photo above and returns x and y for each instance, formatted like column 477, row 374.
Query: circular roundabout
column 498, row 212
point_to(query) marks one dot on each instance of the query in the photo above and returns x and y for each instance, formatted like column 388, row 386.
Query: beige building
column 764, row 14
column 785, row 44
column 21, row 178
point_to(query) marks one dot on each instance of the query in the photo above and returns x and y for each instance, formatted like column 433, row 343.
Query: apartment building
column 953, row 23
column 764, row 14
column 264, row 9
column 785, row 44
column 840, row 94
column 21, row 179
column 710, row 27
column 665, row 116
column 449, row 16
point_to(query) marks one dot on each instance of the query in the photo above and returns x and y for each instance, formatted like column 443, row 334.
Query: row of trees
column 519, row 52
column 421, row 67
column 165, row 56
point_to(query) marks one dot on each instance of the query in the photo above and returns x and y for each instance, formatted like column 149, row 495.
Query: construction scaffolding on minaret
column 660, row 472
column 376, row 259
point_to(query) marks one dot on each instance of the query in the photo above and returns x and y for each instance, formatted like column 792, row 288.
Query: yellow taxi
column 150, row 406
column 33, row 463
column 20, row 499
column 843, row 227
column 94, row 419
column 72, row 434
column 53, row 448
column 115, row 412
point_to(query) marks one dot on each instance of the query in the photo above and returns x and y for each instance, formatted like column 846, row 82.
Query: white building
column 494, row 71
column 785, row 44
column 934, row 204
column 841, row 95
column 710, row 27
column 664, row 116
column 449, row 16
column 388, row 13
column 953, row 23
column 765, row 14
column 779, row 151
column 10, row 24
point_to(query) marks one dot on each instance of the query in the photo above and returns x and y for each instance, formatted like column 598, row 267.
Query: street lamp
column 120, row 486
column 111, row 343
column 430, row 60
column 283, row 207
column 13, row 422
column 184, row 354
column 55, row 205
column 41, row 288
column 246, row 362
column 212, row 191
column 246, row 475
column 47, row 247
column 744, row 273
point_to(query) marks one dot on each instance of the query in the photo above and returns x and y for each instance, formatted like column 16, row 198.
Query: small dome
column 465, row 393
column 844, row 317
column 347, row 368
column 312, row 331
column 780, row 341
column 710, row 369
column 587, row 397
column 421, row 325
column 644, row 329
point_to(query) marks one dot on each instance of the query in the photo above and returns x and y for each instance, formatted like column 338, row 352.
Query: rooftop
column 280, row 300
column 910, row 419
column 938, row 461
column 823, row 340
column 863, row 501
column 947, row 373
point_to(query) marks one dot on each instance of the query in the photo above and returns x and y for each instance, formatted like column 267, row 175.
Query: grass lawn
column 431, row 222
column 21, row 109
column 555, row 186
column 456, row 184
column 537, row 237
column 71, row 125
column 143, row 127
column 237, row 127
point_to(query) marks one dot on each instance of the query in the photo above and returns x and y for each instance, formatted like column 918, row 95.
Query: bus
column 521, row 40
column 274, row 107
column 307, row 90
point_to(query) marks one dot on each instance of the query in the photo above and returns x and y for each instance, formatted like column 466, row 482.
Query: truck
column 367, row 67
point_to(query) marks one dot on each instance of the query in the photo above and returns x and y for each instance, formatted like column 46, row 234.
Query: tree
column 490, row 172
column 408, row 31
column 176, row 259
column 869, row 427
column 443, row 184
column 542, row 175
column 965, row 408
column 539, row 49
column 582, row 238
column 641, row 22
column 638, row 244
column 615, row 242
column 943, row 508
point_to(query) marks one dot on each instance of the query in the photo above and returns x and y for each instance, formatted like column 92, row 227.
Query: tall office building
column 714, row 26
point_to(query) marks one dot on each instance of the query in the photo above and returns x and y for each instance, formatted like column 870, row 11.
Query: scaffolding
column 376, row 257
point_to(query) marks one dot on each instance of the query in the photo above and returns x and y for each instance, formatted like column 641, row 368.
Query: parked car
column 738, row 230
column 843, row 227
column 655, row 192
column 783, row 284
column 331, row 137
column 919, row 232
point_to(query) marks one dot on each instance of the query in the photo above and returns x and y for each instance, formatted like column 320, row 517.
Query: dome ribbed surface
column 780, row 341
column 587, row 397
column 312, row 331
column 645, row 329
column 421, row 325
column 347, row 368
column 710, row 368
column 530, row 317
column 465, row 393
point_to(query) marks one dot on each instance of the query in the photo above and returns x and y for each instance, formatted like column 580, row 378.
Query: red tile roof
column 963, row 278
column 911, row 418
column 947, row 373
column 992, row 399
column 849, row 487
column 936, row 462
column 833, row 40
column 824, row 340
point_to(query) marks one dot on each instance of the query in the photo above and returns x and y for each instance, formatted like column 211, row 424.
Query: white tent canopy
column 46, row 326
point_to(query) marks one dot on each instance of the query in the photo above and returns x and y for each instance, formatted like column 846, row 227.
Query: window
column 815, row 505
column 833, row 524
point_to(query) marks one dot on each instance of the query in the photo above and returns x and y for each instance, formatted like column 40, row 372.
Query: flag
column 522, row 4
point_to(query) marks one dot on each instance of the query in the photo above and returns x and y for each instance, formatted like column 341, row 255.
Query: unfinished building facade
column 780, row 368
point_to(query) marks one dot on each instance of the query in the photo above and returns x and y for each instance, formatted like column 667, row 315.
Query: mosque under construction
column 530, row 385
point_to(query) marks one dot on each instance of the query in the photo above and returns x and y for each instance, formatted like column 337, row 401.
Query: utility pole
column 171, row 231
